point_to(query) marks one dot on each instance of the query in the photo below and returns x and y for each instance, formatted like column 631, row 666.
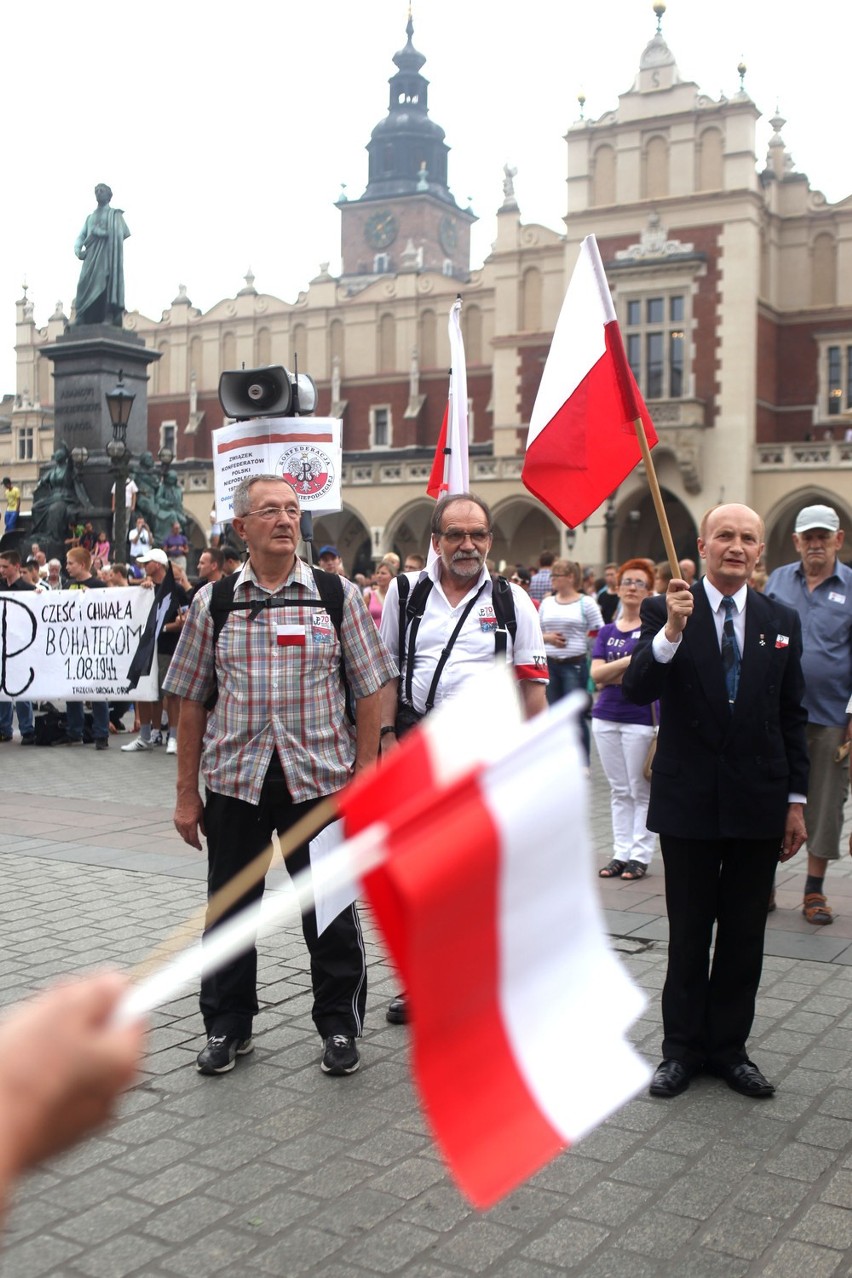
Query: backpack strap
column 504, row 610
column 330, row 590
column 410, row 621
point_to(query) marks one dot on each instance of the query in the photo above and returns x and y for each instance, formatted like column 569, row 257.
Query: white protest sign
column 75, row 644
column 306, row 451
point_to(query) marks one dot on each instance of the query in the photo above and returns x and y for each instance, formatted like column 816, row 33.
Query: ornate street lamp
column 119, row 402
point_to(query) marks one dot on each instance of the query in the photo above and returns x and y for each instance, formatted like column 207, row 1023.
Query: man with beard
column 446, row 623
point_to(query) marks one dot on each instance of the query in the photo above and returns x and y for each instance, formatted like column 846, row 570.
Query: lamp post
column 119, row 402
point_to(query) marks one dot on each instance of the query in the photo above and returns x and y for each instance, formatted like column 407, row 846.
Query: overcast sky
column 226, row 129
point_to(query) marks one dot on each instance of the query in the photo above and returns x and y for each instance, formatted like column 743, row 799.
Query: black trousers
column 708, row 1010
column 237, row 832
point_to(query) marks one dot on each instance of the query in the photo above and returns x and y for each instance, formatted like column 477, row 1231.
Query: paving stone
column 608, row 1203
column 800, row 1162
column 388, row 1248
column 123, row 1255
column 739, row 1233
column 476, row 1245
column 102, row 1221
column 649, row 1168
column 38, row 1256
column 656, row 1234
column 566, row 1243
column 793, row 1259
column 825, row 1225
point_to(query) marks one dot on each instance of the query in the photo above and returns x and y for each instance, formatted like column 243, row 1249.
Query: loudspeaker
column 266, row 392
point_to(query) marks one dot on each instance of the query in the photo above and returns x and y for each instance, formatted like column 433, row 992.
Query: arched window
column 163, row 367
column 196, row 361
column 711, row 150
column 824, row 270
column 336, row 344
column 655, row 169
column 298, row 348
column 263, row 347
column 427, row 345
column 229, row 352
column 530, row 301
column 387, row 344
column 603, row 176
column 472, row 332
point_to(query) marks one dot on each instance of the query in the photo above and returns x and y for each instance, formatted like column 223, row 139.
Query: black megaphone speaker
column 256, row 392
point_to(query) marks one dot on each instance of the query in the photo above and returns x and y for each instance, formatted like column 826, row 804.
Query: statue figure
column 100, row 247
column 58, row 498
column 148, row 483
column 169, row 507
column 509, row 175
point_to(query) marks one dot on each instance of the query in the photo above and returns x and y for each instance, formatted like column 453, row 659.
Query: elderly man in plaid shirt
column 277, row 743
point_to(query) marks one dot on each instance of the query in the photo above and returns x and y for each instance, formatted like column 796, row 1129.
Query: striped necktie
column 731, row 659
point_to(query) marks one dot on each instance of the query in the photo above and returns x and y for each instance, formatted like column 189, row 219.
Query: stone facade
column 732, row 280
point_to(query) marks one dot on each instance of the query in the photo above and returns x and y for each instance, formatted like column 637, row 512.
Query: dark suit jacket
column 718, row 773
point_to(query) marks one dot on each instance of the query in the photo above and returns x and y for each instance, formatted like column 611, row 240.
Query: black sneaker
column 65, row 740
column 221, row 1053
column 28, row 738
column 340, row 1055
column 102, row 743
column 397, row 1012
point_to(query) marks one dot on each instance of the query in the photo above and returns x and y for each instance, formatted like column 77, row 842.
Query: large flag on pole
column 582, row 441
column 450, row 467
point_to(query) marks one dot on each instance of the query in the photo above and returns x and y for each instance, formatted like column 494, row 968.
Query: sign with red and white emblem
column 306, row 451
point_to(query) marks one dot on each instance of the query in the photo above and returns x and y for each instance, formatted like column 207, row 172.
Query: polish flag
column 446, row 747
column 450, row 468
column 490, row 912
column 582, row 442
column 290, row 636
column 488, row 906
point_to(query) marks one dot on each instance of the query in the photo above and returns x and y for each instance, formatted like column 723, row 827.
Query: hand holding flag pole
column 589, row 414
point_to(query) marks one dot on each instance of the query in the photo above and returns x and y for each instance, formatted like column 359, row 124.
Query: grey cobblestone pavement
column 276, row 1169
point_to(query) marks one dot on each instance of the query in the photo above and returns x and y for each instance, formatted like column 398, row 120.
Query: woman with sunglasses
column 623, row 732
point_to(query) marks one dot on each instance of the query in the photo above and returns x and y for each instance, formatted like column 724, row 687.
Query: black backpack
column 412, row 604
column 330, row 589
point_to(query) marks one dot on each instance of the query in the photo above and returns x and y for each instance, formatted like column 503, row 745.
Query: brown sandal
column 816, row 909
column 613, row 870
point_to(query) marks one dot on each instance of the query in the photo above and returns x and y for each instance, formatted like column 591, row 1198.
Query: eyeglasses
column 636, row 582
column 457, row 535
column 272, row 512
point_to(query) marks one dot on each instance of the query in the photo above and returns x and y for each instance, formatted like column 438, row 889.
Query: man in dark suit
column 727, row 794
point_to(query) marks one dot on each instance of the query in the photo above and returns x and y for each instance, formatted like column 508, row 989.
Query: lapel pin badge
column 762, row 641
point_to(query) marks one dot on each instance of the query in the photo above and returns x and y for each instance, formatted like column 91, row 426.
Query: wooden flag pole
column 657, row 496
column 222, row 901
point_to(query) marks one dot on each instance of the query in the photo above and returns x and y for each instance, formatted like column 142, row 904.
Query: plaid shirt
column 270, row 697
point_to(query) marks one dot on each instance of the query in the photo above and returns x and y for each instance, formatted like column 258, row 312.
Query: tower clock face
column 448, row 234
column 381, row 229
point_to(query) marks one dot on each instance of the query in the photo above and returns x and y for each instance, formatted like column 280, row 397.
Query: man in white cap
column 819, row 587
column 171, row 603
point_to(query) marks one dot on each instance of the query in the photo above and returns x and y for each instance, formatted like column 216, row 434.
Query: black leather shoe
column 744, row 1077
column 397, row 1012
column 670, row 1079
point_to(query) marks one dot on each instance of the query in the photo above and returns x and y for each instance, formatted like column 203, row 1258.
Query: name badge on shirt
column 290, row 636
column 321, row 627
column 487, row 619
column 782, row 641
column 835, row 597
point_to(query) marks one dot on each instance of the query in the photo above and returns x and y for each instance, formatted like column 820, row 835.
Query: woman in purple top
column 623, row 732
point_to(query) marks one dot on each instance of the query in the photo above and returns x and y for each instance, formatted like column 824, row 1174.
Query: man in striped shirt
column 276, row 744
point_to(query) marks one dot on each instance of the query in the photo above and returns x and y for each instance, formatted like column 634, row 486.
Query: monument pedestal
column 87, row 360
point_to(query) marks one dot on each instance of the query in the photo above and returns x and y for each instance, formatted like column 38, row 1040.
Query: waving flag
column 582, row 442
column 493, row 922
column 450, row 468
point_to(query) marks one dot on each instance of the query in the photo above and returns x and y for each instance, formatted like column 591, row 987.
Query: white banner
column 75, row 644
column 307, row 451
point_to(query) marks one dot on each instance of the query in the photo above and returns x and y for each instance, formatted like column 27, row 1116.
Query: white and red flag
column 582, row 442
column 487, row 901
column 450, row 468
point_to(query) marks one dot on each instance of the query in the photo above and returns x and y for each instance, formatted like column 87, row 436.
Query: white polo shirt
column 474, row 646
